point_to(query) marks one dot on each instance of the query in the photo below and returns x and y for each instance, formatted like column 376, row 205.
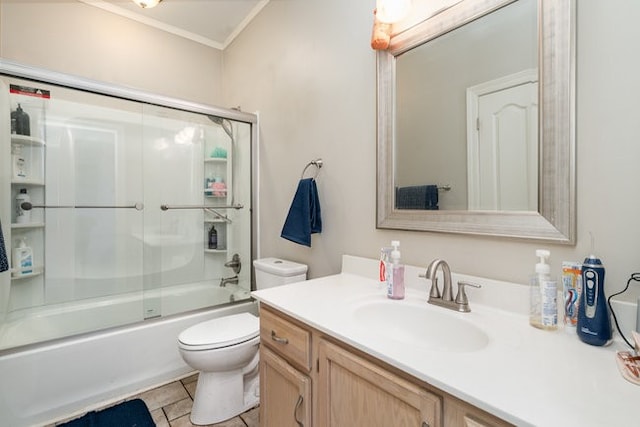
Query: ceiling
column 214, row 23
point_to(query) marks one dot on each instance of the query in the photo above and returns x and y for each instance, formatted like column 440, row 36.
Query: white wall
column 75, row 38
column 308, row 68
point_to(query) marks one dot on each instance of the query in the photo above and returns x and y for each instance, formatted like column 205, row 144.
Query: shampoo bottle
column 213, row 238
column 395, row 285
column 594, row 325
column 23, row 216
column 21, row 118
column 22, row 258
column 543, row 309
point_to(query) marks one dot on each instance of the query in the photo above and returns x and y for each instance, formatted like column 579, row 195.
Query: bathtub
column 43, row 383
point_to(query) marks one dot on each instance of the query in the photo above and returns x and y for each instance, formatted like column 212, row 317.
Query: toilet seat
column 221, row 332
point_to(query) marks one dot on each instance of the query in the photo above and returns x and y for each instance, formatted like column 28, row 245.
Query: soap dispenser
column 543, row 308
column 395, row 283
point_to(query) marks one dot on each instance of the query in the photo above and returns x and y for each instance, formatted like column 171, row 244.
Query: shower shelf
column 37, row 271
column 16, row 226
column 31, row 182
column 215, row 251
column 26, row 140
column 215, row 160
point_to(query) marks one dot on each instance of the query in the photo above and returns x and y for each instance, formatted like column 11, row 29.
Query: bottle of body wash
column 22, row 258
column 395, row 285
column 543, row 309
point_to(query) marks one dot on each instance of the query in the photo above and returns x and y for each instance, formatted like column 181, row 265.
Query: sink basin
column 420, row 325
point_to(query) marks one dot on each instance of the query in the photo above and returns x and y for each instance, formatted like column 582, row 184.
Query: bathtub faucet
column 233, row 280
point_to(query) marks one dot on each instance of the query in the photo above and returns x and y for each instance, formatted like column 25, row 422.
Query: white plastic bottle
column 22, row 258
column 22, row 216
column 543, row 309
column 19, row 164
column 395, row 284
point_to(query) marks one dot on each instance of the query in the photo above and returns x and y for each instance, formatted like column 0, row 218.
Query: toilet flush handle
column 278, row 339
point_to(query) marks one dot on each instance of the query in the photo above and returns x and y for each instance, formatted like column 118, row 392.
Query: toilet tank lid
column 279, row 267
column 222, row 331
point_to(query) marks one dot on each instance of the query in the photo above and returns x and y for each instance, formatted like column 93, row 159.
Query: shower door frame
column 16, row 70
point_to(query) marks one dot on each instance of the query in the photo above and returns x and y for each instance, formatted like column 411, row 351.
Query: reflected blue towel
column 4, row 260
column 417, row 197
column 304, row 214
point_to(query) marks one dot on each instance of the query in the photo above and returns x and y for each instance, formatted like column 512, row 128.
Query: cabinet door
column 460, row 414
column 285, row 393
column 355, row 392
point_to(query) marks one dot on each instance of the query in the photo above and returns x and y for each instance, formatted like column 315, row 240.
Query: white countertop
column 523, row 375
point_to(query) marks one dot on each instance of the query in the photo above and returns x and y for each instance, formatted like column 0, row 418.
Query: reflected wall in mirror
column 476, row 122
column 466, row 113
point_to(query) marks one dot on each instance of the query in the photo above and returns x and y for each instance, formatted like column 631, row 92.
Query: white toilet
column 225, row 351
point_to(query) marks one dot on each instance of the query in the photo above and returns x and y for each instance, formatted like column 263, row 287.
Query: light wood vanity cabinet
column 308, row 379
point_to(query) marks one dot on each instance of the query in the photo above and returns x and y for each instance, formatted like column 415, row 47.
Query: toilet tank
column 272, row 272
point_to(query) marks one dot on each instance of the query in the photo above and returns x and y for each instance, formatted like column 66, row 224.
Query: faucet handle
column 434, row 292
column 461, row 297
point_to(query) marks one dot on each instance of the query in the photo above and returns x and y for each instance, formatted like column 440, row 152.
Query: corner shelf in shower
column 26, row 140
column 215, row 160
column 37, row 271
column 30, row 225
column 28, row 182
column 215, row 251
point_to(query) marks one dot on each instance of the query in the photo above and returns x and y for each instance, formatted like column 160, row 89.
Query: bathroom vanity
column 335, row 351
column 345, row 384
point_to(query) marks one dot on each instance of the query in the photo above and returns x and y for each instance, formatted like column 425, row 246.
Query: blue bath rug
column 132, row 413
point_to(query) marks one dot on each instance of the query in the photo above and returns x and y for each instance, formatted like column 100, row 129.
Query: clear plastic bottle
column 395, row 284
column 543, row 306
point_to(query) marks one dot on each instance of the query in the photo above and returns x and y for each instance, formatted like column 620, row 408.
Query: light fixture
column 390, row 11
column 147, row 4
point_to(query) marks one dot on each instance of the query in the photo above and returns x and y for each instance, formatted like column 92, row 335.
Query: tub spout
column 225, row 280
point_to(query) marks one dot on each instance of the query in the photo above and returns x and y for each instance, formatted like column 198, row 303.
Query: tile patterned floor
column 170, row 405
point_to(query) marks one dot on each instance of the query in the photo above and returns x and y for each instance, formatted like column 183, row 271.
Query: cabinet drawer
column 291, row 341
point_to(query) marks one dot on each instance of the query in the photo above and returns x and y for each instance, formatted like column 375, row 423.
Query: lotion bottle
column 395, row 286
column 543, row 308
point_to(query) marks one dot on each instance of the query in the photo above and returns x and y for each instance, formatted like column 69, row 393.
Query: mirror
column 433, row 161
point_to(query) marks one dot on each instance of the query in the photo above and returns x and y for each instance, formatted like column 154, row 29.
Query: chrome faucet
column 226, row 280
column 461, row 303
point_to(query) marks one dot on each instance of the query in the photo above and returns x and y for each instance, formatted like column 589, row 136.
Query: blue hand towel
column 4, row 260
column 417, row 197
column 304, row 216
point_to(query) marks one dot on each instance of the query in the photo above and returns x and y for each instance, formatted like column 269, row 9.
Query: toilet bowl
column 225, row 351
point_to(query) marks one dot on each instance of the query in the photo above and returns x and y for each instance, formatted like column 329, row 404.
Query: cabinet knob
column 278, row 339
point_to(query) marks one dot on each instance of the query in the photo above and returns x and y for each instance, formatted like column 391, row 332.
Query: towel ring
column 317, row 163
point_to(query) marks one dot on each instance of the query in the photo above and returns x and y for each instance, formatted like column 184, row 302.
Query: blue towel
column 4, row 260
column 304, row 214
column 417, row 197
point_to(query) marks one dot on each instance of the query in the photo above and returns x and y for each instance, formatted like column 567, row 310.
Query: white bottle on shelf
column 23, row 216
column 22, row 258
column 19, row 164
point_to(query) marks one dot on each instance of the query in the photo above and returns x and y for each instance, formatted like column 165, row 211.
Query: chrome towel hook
column 317, row 163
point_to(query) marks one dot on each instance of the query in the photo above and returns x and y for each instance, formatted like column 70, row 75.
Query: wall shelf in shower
column 215, row 160
column 28, row 182
column 31, row 225
column 26, row 140
column 215, row 251
column 37, row 271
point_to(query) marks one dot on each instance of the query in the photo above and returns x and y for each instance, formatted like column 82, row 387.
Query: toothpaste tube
column 571, row 288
